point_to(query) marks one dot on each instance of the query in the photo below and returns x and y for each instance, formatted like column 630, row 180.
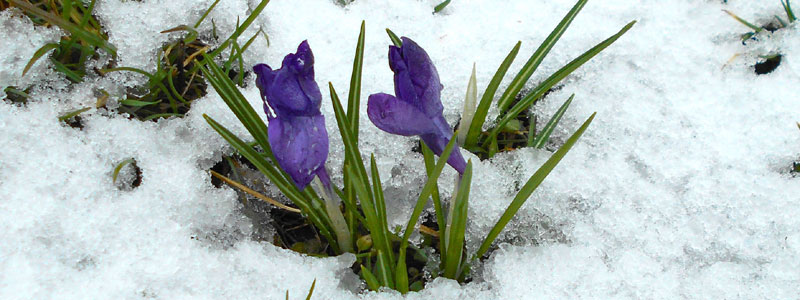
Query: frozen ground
column 680, row 188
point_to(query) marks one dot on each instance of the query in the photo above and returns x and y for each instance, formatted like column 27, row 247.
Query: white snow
column 679, row 189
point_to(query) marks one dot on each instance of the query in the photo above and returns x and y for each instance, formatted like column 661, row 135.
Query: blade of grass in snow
column 530, row 186
column 361, row 182
column 543, row 136
column 533, row 62
column 395, row 40
column 437, row 202
column 38, row 54
column 288, row 189
column 789, row 12
column 119, row 167
column 205, row 14
column 743, row 21
column 370, row 279
column 439, row 7
column 475, row 127
column 470, row 100
column 455, row 245
column 556, row 77
column 73, row 113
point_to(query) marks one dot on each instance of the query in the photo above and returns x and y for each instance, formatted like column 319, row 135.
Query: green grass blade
column 456, row 234
column 437, row 202
column 441, row 6
column 275, row 176
column 743, row 21
column 73, row 113
column 401, row 273
column 240, row 29
column 426, row 191
column 468, row 113
column 76, row 32
column 237, row 103
column 137, row 103
column 543, row 136
column 314, row 283
column 781, row 21
column 533, row 62
column 395, row 40
column 354, row 98
column 119, row 167
column 360, row 180
column 530, row 186
column 384, row 271
column 38, row 54
column 789, row 12
column 379, row 236
column 205, row 14
column 475, row 127
column 377, row 191
column 164, row 115
column 371, row 280
column 556, row 77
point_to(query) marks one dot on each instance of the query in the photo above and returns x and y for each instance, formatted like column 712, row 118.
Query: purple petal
column 291, row 90
column 416, row 79
column 437, row 143
column 398, row 117
column 300, row 145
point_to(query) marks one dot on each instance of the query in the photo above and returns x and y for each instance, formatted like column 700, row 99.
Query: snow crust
column 679, row 189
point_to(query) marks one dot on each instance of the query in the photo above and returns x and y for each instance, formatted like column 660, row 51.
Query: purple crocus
column 417, row 107
column 296, row 130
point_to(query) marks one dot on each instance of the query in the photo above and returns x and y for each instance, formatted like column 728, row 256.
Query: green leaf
column 371, row 280
column 288, row 189
column 354, row 98
column 475, row 127
column 377, row 192
column 76, row 31
column 314, row 283
column 556, row 77
column 455, row 246
column 384, row 271
column 441, row 6
column 237, row 103
column 401, row 273
column 426, row 191
column 789, row 13
column 240, row 29
column 468, row 113
column 118, row 168
column 437, row 202
column 530, row 186
column 137, row 103
column 73, row 113
column 205, row 14
column 744, row 22
column 533, row 62
column 38, row 54
column 395, row 40
column 544, row 135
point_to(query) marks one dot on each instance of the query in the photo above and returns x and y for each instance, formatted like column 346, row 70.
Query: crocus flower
column 296, row 130
column 417, row 108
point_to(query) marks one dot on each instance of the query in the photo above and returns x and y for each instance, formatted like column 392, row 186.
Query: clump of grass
column 770, row 61
column 71, row 53
column 771, row 26
column 177, row 81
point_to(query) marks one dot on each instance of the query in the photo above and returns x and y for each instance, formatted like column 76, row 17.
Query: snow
column 679, row 189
